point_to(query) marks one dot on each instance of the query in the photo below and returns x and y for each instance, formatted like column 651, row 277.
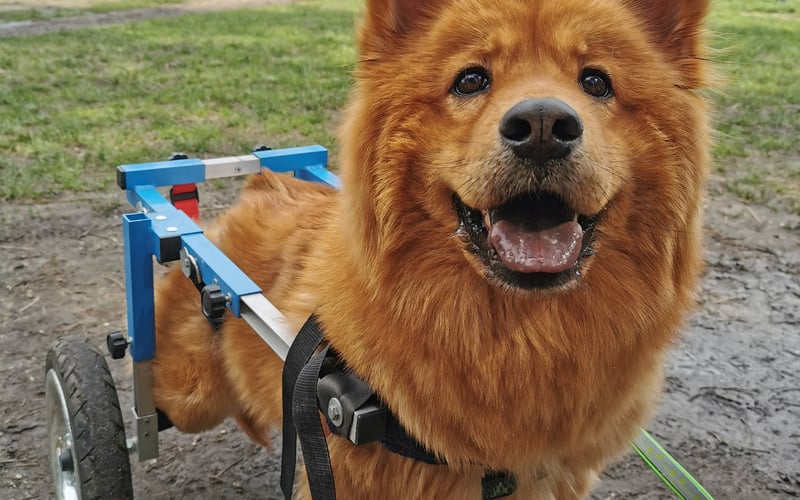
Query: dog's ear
column 677, row 24
column 386, row 20
column 678, row 27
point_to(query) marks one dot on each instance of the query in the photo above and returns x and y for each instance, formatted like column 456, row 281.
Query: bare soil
column 41, row 26
column 730, row 412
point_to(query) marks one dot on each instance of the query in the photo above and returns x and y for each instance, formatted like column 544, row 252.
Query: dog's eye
column 470, row 82
column 596, row 83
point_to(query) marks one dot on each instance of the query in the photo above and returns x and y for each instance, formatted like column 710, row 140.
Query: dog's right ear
column 678, row 27
column 386, row 20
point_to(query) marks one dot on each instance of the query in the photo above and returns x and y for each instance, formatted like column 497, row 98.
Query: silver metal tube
column 268, row 322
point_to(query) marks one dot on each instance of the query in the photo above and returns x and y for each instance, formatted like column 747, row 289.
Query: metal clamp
column 352, row 409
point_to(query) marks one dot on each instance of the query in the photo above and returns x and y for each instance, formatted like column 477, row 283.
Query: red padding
column 184, row 197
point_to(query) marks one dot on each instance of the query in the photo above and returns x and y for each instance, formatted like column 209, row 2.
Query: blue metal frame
column 299, row 160
column 160, row 230
column 139, row 285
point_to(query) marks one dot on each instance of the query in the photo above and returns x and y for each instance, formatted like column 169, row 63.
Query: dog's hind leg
column 255, row 374
column 189, row 381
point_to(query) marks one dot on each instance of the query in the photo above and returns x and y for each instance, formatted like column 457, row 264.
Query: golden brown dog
column 515, row 245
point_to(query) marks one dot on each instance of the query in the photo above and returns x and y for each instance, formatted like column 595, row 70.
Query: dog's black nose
column 541, row 129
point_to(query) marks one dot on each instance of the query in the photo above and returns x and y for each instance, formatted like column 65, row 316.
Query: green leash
column 682, row 484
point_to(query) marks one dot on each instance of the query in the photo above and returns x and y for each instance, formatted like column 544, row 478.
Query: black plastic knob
column 213, row 301
column 178, row 156
column 117, row 345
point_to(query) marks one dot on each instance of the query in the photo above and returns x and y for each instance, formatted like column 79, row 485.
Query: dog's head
column 532, row 139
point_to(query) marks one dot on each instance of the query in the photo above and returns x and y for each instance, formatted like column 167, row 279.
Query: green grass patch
column 758, row 123
column 75, row 104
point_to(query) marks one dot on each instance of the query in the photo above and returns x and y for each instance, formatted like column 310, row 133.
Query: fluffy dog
column 514, row 248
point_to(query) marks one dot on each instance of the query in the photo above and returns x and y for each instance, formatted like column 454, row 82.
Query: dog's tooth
column 487, row 219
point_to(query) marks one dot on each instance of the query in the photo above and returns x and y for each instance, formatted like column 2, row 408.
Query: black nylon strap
column 397, row 440
column 301, row 416
column 305, row 411
column 308, row 339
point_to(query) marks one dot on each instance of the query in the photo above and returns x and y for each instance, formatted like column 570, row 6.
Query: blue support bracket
column 216, row 268
column 293, row 159
column 168, row 223
column 146, row 198
column 170, row 230
column 161, row 173
column 136, row 232
column 318, row 173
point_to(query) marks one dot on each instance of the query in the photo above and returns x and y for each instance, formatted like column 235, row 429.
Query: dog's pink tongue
column 550, row 250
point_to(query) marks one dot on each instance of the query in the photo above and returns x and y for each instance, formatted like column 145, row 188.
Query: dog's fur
column 547, row 380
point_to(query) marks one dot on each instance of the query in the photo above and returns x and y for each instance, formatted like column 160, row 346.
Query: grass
column 75, row 104
column 758, row 157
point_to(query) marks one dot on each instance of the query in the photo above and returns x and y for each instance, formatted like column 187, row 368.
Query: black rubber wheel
column 86, row 434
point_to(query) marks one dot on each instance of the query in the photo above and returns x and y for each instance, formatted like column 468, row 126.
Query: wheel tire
column 86, row 434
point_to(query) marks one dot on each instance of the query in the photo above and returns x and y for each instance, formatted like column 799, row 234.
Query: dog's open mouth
column 534, row 240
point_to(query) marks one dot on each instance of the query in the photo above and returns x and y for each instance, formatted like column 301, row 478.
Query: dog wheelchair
column 88, row 448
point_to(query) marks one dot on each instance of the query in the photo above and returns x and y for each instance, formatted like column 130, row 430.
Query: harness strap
column 303, row 347
column 301, row 375
column 305, row 411
column 398, row 441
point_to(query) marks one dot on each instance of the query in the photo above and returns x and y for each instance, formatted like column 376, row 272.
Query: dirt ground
column 40, row 26
column 730, row 413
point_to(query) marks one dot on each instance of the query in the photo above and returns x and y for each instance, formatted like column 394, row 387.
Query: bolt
column 189, row 266
column 335, row 412
column 171, row 229
column 186, row 267
column 161, row 217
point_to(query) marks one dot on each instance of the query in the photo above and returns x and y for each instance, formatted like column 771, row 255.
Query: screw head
column 335, row 412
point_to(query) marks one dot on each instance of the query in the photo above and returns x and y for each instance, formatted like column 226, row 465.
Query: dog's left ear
column 395, row 16
column 387, row 20
column 678, row 27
